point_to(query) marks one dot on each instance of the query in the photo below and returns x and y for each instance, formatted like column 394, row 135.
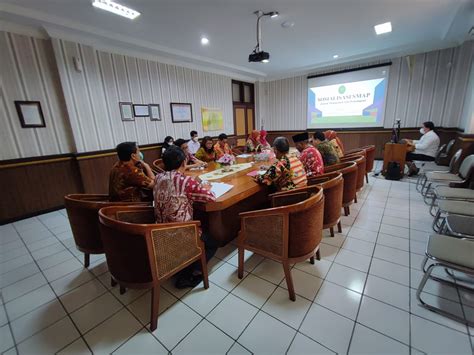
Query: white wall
column 467, row 118
column 435, row 91
column 93, row 96
column 28, row 72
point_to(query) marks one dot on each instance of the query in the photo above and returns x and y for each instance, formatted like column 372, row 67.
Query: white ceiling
column 172, row 28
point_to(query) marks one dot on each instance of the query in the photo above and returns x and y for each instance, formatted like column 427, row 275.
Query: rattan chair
column 158, row 165
column 360, row 160
column 141, row 254
column 349, row 172
column 370, row 159
column 287, row 234
column 82, row 211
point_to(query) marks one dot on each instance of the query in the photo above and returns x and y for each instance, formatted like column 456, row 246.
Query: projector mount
column 258, row 55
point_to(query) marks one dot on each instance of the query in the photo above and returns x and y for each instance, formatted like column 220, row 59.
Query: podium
column 394, row 152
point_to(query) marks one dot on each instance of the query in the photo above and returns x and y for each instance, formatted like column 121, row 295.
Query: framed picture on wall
column 140, row 110
column 30, row 114
column 155, row 113
column 126, row 111
column 181, row 112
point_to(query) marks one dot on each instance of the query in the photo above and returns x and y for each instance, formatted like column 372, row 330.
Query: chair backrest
column 349, row 173
column 158, row 165
column 466, row 166
column 449, row 147
column 333, row 188
column 370, row 158
column 453, row 163
column 82, row 211
column 440, row 153
column 139, row 251
column 360, row 160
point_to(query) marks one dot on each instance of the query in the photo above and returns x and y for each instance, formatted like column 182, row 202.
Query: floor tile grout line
column 61, row 303
column 9, row 327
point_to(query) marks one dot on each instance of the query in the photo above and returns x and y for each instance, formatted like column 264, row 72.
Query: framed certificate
column 126, row 111
column 140, row 110
column 30, row 114
column 155, row 113
column 181, row 112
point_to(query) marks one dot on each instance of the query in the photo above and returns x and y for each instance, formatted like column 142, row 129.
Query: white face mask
column 195, row 139
column 171, row 143
column 422, row 130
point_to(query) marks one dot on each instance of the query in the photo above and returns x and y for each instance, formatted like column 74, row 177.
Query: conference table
column 221, row 217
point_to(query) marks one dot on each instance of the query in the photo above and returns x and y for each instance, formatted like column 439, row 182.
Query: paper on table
column 220, row 188
column 244, row 156
column 256, row 172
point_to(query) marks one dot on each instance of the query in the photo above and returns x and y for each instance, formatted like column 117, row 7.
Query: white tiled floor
column 359, row 299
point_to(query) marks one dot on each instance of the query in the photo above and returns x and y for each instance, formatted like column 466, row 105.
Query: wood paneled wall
column 93, row 96
column 434, row 91
column 28, row 72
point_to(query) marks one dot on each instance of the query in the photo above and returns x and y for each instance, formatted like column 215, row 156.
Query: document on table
column 220, row 188
column 244, row 156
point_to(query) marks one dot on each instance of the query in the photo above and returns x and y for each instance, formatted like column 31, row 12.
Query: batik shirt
column 312, row 161
column 205, row 156
column 127, row 183
column 328, row 153
column 174, row 195
column 285, row 174
column 221, row 151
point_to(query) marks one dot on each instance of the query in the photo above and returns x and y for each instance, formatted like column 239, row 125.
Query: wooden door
column 240, row 118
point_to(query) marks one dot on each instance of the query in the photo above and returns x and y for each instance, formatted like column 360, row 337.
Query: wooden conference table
column 221, row 218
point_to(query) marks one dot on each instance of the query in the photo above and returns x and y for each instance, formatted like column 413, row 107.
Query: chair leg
column 331, row 229
column 113, row 283
column 122, row 290
column 347, row 211
column 339, row 227
column 289, row 280
column 367, row 177
column 155, row 306
column 87, row 260
column 205, row 272
column 355, row 199
column 241, row 263
column 311, row 260
column 318, row 254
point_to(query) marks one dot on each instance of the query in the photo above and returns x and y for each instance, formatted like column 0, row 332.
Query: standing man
column 310, row 156
column 193, row 144
column 425, row 148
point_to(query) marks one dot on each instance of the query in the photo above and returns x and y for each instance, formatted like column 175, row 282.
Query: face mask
column 422, row 130
column 195, row 139
column 142, row 156
column 170, row 143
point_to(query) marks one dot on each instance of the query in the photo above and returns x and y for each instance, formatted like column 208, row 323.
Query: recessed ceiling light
column 266, row 61
column 204, row 41
column 383, row 28
column 335, row 56
column 115, row 8
column 287, row 24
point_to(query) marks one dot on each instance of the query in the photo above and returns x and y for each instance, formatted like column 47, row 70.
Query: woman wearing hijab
column 253, row 142
column 263, row 140
column 336, row 142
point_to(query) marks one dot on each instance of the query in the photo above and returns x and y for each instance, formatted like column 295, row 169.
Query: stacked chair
column 288, row 233
column 142, row 254
column 82, row 211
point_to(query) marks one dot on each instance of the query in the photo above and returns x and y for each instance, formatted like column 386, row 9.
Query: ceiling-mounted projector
column 258, row 55
column 262, row 56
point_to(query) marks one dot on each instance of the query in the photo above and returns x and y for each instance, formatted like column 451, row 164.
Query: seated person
column 167, row 143
column 329, row 154
column 253, row 141
column 310, row 156
column 287, row 172
column 332, row 137
column 425, row 149
column 222, row 147
column 263, row 140
column 131, row 178
column 206, row 153
column 193, row 144
column 191, row 160
column 174, row 194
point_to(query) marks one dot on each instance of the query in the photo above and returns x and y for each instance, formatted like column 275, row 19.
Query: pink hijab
column 263, row 138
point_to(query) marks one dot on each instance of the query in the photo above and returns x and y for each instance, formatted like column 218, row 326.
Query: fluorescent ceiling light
column 204, row 41
column 115, row 8
column 266, row 61
column 383, row 28
column 335, row 56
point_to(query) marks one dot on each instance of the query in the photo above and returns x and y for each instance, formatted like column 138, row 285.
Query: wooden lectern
column 394, row 152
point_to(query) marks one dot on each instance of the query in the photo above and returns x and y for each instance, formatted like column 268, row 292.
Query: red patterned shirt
column 312, row 161
column 174, row 195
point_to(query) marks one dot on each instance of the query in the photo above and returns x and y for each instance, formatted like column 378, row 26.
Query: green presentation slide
column 341, row 119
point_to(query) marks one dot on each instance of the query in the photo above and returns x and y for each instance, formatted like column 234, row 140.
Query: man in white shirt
column 193, row 144
column 425, row 148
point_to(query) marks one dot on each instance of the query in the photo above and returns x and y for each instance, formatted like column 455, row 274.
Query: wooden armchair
column 349, row 174
column 333, row 188
column 158, row 165
column 370, row 158
column 82, row 211
column 360, row 160
column 141, row 254
column 288, row 234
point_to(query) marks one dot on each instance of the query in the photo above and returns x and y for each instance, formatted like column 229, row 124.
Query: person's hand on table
column 206, row 185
